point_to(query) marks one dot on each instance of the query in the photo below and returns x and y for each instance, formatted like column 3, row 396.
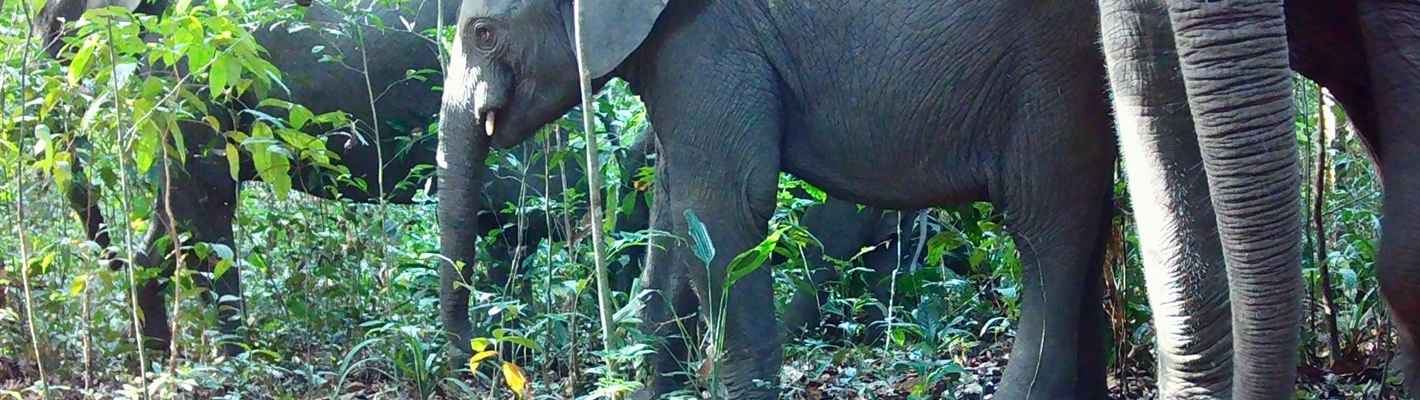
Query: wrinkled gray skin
column 913, row 105
column 1363, row 52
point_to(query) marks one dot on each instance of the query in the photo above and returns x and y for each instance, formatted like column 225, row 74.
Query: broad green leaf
column 77, row 286
column 700, row 242
column 749, row 261
column 522, row 341
column 79, row 64
column 217, row 76
column 300, row 115
column 479, row 344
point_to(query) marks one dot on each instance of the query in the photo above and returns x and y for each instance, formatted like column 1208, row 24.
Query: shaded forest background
column 341, row 297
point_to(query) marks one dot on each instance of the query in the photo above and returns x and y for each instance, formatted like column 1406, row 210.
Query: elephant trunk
column 1235, row 67
column 463, row 147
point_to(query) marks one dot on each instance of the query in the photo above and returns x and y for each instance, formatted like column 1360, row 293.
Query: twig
column 1319, row 224
column 20, row 220
column 594, row 198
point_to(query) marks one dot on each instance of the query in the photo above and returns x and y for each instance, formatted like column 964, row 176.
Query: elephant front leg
column 199, row 203
column 1392, row 45
column 743, row 352
column 1182, row 256
column 724, row 170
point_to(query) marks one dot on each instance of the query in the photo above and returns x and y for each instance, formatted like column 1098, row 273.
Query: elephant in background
column 893, row 233
column 204, row 195
column 894, row 104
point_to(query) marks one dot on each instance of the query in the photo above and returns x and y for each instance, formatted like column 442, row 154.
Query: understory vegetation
column 341, row 298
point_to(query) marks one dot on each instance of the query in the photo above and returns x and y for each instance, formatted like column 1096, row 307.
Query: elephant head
column 510, row 72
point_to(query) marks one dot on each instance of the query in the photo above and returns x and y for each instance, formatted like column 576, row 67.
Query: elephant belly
column 886, row 172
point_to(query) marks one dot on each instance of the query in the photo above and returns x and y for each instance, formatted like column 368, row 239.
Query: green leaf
column 700, row 242
column 270, row 159
column 941, row 243
column 79, row 64
column 217, row 76
column 234, row 161
column 300, row 115
column 77, row 286
column 522, row 341
column 750, row 260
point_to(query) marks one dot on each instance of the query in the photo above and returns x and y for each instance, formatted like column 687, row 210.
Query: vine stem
column 20, row 219
column 594, row 179
column 1325, row 130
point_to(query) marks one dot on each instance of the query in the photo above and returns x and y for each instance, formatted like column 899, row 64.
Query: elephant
column 925, row 106
column 896, row 233
column 1363, row 52
column 204, row 192
column 1359, row 50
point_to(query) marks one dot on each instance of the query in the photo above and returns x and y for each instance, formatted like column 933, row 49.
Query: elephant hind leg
column 670, row 304
column 1094, row 342
column 1056, row 229
column 84, row 203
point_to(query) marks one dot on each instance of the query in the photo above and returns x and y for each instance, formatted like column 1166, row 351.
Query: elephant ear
column 615, row 28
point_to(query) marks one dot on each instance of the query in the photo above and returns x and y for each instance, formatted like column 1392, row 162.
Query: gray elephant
column 205, row 194
column 894, row 104
column 385, row 158
column 1364, row 52
column 896, row 248
column 1356, row 49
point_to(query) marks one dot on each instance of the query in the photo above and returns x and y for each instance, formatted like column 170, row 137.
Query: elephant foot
column 1408, row 369
column 653, row 394
column 742, row 381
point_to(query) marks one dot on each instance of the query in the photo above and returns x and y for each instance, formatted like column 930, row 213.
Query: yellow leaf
column 477, row 358
column 516, row 381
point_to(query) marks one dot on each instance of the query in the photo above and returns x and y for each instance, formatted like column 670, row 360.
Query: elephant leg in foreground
column 670, row 304
column 1392, row 43
column 1243, row 116
column 1182, row 256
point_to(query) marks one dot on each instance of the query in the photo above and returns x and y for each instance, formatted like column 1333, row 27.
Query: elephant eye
column 483, row 37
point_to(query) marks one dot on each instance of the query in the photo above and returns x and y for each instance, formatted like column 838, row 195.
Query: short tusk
column 488, row 123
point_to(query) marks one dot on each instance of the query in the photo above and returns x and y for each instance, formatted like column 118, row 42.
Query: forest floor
column 840, row 375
